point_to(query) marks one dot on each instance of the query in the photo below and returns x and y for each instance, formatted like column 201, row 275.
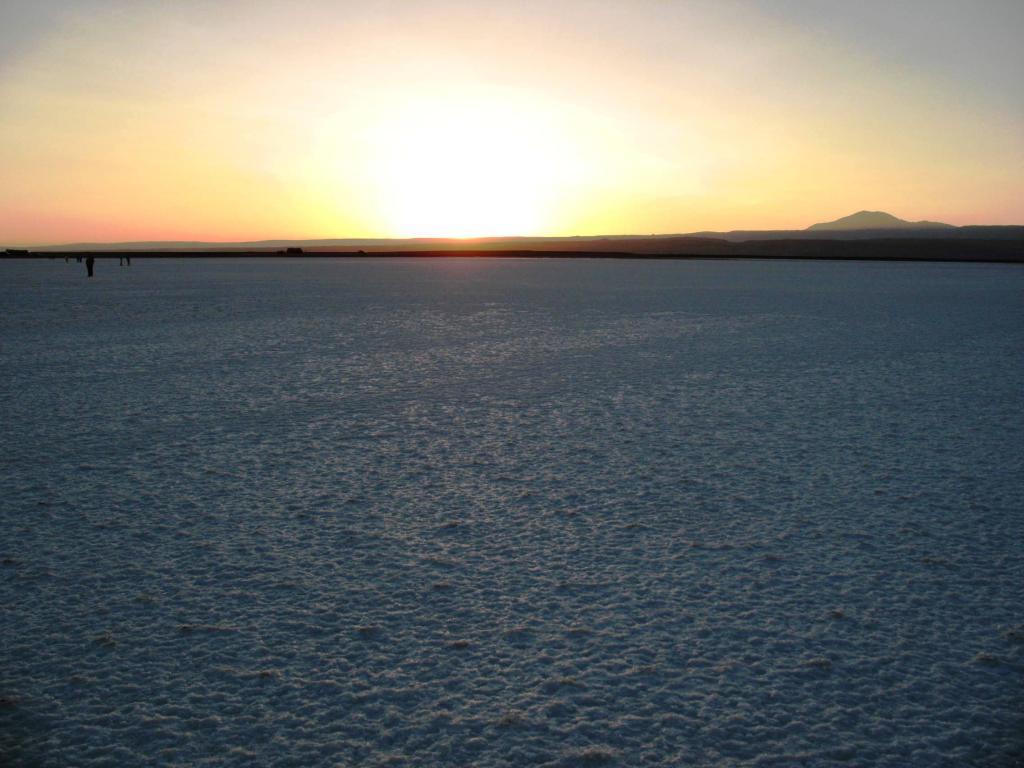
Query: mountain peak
column 875, row 220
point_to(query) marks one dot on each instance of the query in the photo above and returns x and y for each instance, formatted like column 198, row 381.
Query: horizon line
column 354, row 241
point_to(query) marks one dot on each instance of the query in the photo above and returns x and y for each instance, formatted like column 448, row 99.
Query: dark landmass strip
column 882, row 249
column 866, row 225
column 971, row 232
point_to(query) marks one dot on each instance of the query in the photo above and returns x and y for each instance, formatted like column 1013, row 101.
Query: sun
column 469, row 169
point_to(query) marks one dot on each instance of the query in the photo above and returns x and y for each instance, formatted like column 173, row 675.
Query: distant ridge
column 864, row 225
column 874, row 220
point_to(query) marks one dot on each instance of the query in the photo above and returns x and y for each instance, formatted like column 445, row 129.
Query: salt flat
column 511, row 512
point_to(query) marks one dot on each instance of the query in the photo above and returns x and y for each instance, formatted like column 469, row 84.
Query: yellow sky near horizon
column 230, row 121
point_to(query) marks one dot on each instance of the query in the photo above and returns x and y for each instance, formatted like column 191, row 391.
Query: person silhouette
column 89, row 263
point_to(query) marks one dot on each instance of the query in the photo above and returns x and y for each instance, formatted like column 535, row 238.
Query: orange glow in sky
column 241, row 121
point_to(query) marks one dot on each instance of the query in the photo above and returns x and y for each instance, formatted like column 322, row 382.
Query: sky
column 126, row 120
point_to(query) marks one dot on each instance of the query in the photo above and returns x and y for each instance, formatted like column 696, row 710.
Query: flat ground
column 505, row 512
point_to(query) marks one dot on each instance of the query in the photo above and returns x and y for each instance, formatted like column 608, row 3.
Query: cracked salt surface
column 462, row 512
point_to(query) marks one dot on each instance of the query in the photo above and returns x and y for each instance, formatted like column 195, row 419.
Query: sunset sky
column 137, row 120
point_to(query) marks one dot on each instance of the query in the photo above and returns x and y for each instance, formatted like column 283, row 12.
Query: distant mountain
column 874, row 220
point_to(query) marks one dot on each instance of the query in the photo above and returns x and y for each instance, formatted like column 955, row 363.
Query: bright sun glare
column 469, row 170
